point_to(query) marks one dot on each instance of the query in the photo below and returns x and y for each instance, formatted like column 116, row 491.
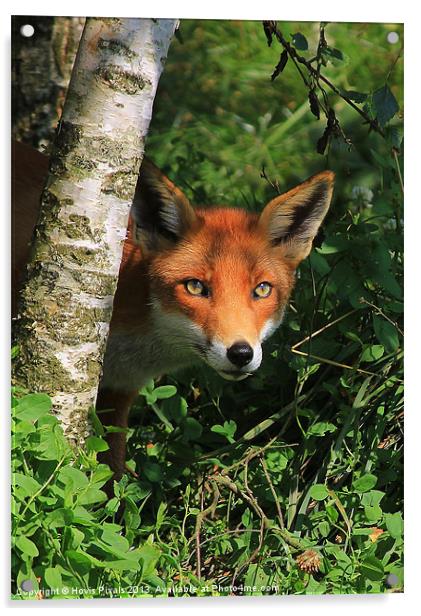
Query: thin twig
column 236, row 531
column 324, row 360
column 395, row 156
column 225, row 481
column 199, row 521
column 380, row 311
column 343, row 513
column 257, row 430
column 324, row 328
column 252, row 453
column 272, row 489
column 42, row 488
column 317, row 75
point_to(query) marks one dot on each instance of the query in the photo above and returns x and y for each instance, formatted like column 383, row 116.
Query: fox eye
column 196, row 287
column 262, row 290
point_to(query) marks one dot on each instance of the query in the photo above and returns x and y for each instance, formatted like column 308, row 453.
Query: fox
column 196, row 284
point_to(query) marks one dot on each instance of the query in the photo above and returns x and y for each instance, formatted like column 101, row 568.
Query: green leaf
column 52, row 442
column 372, row 352
column 95, row 444
column 33, row 406
column 276, row 461
column 26, row 546
column 324, row 528
column 192, row 429
column 96, row 422
column 372, row 568
column 149, row 392
column 71, row 476
column 281, row 65
column 373, row 513
column 148, row 555
column 152, row 471
column 79, row 562
column 28, row 484
column 72, row 538
column 372, row 498
column 365, row 531
column 52, row 575
column 318, row 492
column 228, row 430
column 121, row 565
column 385, row 105
column 165, row 391
column 379, row 267
column 333, row 244
column 175, row 408
column 160, row 516
column 364, row 483
column 21, row 429
column 320, row 428
column 394, row 524
column 299, row 41
column 101, row 474
column 256, row 577
column 320, row 264
column 335, row 56
column 386, row 333
column 357, row 97
column 111, row 507
column 58, row 518
column 332, row 513
column 91, row 495
column 114, row 539
column 359, row 400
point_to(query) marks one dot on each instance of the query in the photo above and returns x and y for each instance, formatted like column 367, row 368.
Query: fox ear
column 292, row 220
column 161, row 212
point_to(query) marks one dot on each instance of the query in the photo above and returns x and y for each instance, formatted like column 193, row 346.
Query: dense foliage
column 291, row 481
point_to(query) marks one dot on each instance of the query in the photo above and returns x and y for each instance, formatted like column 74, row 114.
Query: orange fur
column 231, row 254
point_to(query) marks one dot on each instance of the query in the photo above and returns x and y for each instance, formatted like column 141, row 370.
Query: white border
column 305, row 10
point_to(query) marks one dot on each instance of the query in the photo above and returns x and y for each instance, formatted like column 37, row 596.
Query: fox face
column 220, row 278
column 227, row 284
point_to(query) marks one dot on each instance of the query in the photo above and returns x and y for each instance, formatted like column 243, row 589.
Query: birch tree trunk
column 66, row 302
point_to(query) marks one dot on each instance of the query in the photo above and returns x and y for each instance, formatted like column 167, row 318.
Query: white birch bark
column 67, row 300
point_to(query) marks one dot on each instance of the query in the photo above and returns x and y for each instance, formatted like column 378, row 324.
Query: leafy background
column 291, row 481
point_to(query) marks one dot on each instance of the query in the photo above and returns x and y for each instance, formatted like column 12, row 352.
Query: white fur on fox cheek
column 176, row 328
column 271, row 326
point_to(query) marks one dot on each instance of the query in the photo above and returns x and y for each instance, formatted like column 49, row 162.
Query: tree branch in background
column 378, row 109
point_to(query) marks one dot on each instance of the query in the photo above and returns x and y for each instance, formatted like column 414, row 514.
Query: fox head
column 220, row 278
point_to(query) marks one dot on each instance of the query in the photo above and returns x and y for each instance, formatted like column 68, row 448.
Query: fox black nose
column 240, row 354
